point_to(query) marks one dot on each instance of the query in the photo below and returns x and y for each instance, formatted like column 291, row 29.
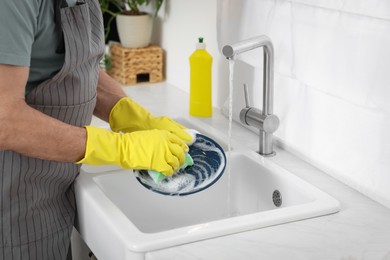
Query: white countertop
column 361, row 230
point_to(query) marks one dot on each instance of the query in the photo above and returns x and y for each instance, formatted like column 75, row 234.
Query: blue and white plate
column 209, row 165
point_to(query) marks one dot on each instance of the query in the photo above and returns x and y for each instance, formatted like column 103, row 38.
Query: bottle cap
column 200, row 45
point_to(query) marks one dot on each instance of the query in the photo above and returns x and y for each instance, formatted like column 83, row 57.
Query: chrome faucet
column 263, row 119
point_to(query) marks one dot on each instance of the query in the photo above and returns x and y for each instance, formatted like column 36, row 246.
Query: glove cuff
column 128, row 116
column 99, row 147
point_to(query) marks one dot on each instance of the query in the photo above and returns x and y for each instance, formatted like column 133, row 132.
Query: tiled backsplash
column 332, row 80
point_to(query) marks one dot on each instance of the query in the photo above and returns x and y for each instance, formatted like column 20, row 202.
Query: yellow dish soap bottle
column 200, row 81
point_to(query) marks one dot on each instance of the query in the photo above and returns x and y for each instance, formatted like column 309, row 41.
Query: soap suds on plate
column 209, row 165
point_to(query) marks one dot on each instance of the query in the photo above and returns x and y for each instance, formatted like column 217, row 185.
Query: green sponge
column 158, row 176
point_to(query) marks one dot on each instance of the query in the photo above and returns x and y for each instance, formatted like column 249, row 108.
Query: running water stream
column 231, row 77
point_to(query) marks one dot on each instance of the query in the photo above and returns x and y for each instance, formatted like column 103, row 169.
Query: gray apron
column 37, row 202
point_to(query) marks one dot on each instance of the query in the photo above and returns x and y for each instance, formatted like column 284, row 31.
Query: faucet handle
column 254, row 117
column 246, row 95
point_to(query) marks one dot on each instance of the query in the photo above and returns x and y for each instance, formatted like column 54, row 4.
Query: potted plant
column 134, row 26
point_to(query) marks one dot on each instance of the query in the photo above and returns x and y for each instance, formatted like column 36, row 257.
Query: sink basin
column 120, row 219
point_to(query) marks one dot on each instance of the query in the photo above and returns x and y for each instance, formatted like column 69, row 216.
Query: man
column 50, row 84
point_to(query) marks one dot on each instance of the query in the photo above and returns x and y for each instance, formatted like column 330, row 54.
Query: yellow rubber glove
column 156, row 150
column 128, row 116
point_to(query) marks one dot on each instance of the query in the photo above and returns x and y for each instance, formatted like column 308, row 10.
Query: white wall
column 332, row 80
column 177, row 31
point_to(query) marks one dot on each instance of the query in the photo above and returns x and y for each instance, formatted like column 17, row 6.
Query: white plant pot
column 135, row 31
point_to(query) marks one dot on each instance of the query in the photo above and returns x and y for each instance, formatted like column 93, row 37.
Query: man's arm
column 109, row 92
column 30, row 132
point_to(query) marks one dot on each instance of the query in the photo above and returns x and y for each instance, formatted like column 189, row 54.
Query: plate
column 209, row 165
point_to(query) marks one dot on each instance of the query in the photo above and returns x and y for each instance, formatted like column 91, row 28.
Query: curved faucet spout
column 230, row 52
column 247, row 45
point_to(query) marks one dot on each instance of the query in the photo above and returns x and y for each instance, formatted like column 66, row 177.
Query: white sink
column 120, row 219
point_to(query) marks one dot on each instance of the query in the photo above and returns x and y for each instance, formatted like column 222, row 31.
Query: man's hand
column 149, row 150
column 128, row 116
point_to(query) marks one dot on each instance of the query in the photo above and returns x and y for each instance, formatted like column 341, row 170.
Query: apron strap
column 61, row 44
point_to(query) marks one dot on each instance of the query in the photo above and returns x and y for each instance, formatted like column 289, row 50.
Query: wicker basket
column 131, row 66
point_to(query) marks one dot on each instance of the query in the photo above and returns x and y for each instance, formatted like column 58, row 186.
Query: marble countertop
column 361, row 230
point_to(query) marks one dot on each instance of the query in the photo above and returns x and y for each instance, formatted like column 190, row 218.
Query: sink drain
column 277, row 198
